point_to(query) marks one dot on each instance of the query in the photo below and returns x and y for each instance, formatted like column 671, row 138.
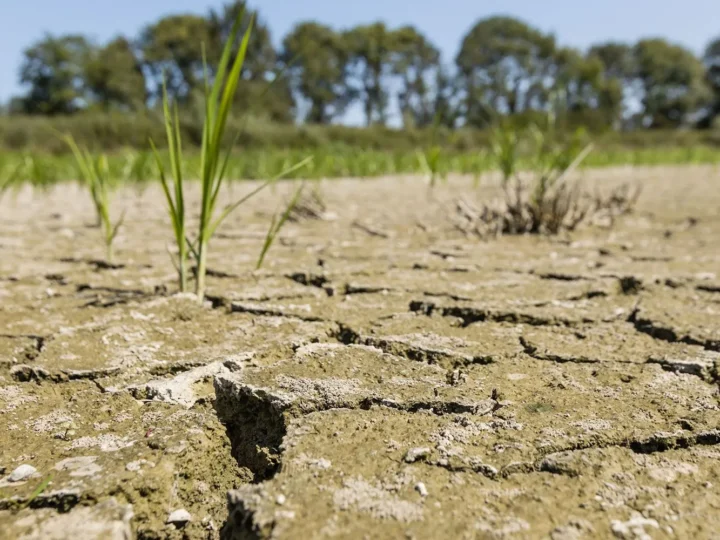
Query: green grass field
column 137, row 167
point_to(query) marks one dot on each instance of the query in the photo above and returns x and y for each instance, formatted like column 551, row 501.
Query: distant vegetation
column 107, row 94
column 138, row 168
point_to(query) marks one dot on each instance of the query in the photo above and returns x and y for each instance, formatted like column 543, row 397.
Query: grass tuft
column 546, row 202
column 213, row 164
column 535, row 164
column 95, row 174
column 431, row 163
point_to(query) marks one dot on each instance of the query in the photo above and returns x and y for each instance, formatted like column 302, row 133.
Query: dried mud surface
column 383, row 376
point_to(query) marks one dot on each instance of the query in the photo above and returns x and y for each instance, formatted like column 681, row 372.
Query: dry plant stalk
column 310, row 206
column 547, row 203
column 566, row 208
column 620, row 201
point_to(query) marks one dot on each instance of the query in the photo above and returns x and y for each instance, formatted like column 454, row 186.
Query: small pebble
column 280, row 499
column 421, row 489
column 23, row 472
column 179, row 517
column 208, row 523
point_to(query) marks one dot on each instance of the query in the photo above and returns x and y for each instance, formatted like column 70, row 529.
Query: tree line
column 504, row 66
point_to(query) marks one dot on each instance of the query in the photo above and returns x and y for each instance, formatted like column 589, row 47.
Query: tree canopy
column 53, row 69
column 505, row 66
column 316, row 59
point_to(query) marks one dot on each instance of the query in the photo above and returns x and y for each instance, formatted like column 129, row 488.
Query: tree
column 114, row 77
column 579, row 78
column 505, row 64
column 610, row 102
column 620, row 83
column 15, row 105
column 264, row 101
column 53, row 70
column 173, row 46
column 712, row 66
column 414, row 61
column 672, row 80
column 617, row 59
column 446, row 110
column 316, row 59
column 591, row 97
column 370, row 50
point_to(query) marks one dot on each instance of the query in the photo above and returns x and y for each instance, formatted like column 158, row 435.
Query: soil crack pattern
column 659, row 331
column 568, row 346
column 432, row 349
column 552, row 461
column 382, row 375
column 474, row 314
column 256, row 416
column 34, row 349
column 273, row 413
column 270, row 310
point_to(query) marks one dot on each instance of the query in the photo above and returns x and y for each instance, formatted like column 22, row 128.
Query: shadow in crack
column 255, row 428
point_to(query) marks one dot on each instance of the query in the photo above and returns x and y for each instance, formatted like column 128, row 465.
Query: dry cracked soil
column 382, row 376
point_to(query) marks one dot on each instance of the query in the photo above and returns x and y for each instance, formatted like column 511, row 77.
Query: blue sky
column 690, row 22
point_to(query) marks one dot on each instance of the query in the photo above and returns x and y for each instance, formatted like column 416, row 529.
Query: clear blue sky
column 575, row 22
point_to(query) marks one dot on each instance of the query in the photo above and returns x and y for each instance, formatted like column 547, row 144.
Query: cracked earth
column 383, row 376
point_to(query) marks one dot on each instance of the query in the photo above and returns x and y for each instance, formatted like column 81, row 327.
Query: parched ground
column 383, row 376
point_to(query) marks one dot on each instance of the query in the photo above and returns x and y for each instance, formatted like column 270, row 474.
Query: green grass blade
column 225, row 61
column 217, row 110
column 575, row 162
column 38, row 491
column 172, row 132
column 177, row 168
column 223, row 170
column 166, row 189
column 117, row 226
column 226, row 212
column 230, row 87
column 268, row 242
column 206, row 124
column 192, row 246
column 12, row 180
column 79, row 159
column 276, row 225
column 244, row 120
